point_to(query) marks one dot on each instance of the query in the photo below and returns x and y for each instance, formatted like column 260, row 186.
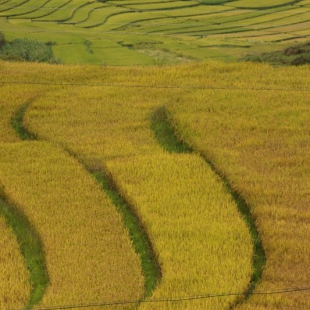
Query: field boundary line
column 137, row 232
column 28, row 238
column 31, row 247
column 174, row 299
column 14, row 6
column 33, row 9
column 157, row 86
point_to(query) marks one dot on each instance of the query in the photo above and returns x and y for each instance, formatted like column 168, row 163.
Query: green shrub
column 2, row 39
column 28, row 50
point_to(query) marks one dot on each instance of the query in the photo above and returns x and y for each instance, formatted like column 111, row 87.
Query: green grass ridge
column 17, row 123
column 141, row 242
column 29, row 240
column 165, row 133
column 167, row 138
column 31, row 248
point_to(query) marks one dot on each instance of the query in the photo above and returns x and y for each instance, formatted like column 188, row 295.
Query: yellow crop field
column 88, row 253
column 184, row 206
column 11, row 99
column 14, row 276
column 102, row 132
column 259, row 140
column 251, row 121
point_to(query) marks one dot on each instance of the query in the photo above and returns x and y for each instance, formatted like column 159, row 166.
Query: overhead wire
column 170, row 299
column 154, row 86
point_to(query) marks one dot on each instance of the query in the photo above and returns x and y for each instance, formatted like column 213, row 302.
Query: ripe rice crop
column 181, row 203
column 250, row 120
column 88, row 253
column 202, row 243
column 11, row 98
column 14, row 276
column 259, row 140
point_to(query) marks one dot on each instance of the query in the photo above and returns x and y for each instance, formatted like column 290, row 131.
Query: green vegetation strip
column 31, row 248
column 17, row 123
column 138, row 235
column 165, row 134
column 28, row 238
column 141, row 242
column 167, row 137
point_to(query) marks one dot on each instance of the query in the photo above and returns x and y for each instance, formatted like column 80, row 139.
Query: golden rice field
column 259, row 139
column 184, row 207
column 249, row 120
column 163, row 199
column 88, row 253
column 11, row 99
column 14, row 276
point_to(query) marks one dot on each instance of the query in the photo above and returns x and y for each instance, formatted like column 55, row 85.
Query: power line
column 171, row 299
column 155, row 86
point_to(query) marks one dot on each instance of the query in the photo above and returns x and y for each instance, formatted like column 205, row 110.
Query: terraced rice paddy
column 159, row 32
column 85, row 244
column 162, row 200
column 224, row 215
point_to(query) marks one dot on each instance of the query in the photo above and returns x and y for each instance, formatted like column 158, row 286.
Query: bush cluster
column 24, row 49
column 2, row 39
